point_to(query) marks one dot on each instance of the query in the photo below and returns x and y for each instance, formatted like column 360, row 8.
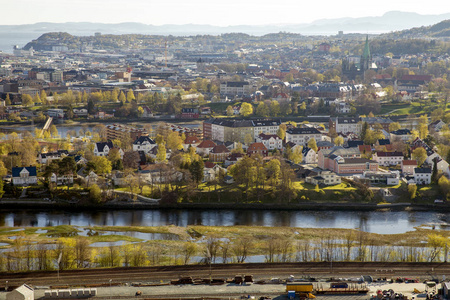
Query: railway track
column 259, row 270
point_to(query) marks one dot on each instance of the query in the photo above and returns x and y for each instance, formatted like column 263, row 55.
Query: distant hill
column 391, row 21
column 441, row 29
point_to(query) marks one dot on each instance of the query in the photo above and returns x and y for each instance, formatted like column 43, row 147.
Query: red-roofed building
column 257, row 148
column 408, row 166
column 205, row 147
column 412, row 83
column 191, row 141
column 219, row 153
column 271, row 141
column 233, row 158
column 365, row 150
column 212, row 171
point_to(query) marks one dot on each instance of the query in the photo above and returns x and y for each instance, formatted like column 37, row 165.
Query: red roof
column 411, row 162
column 206, row 144
column 257, row 147
column 191, row 139
column 209, row 164
column 364, row 148
column 388, row 154
column 416, row 77
column 220, row 149
column 265, row 137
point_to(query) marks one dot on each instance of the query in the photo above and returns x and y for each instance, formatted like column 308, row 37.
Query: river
column 376, row 222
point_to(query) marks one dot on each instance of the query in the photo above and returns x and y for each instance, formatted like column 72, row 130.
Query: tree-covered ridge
column 441, row 29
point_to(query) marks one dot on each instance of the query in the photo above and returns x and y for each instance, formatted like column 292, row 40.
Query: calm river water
column 376, row 222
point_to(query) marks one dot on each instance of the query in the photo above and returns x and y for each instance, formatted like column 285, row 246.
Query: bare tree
column 241, row 248
column 82, row 252
column 42, row 255
column 225, row 247
column 189, row 250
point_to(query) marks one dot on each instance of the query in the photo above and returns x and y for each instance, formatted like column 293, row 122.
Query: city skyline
column 177, row 12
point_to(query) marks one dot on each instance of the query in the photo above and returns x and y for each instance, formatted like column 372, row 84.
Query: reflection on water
column 377, row 222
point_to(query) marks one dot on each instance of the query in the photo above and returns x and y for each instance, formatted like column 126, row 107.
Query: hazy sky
column 222, row 13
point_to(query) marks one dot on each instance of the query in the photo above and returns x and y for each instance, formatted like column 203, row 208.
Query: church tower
column 366, row 58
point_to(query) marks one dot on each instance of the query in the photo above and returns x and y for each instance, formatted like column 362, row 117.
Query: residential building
column 212, row 171
column 189, row 113
column 401, row 134
column 121, row 131
column 422, row 175
column 103, row 148
column 388, row 158
column 235, row 88
column 325, row 154
column 158, row 173
column 144, row 143
column 257, row 149
column 345, row 125
column 372, row 121
column 301, row 136
column 24, row 175
column 323, row 177
column 191, row 141
column 436, row 126
column 408, row 166
column 388, row 178
column 309, row 155
column 61, row 179
column 271, row 141
column 227, row 130
column 233, row 158
column 205, row 147
column 219, row 153
column 46, row 158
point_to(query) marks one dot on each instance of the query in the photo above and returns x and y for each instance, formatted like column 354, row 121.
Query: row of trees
column 76, row 253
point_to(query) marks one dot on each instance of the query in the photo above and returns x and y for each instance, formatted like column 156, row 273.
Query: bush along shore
column 33, row 248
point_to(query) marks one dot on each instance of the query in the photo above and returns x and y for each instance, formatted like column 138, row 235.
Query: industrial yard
column 266, row 281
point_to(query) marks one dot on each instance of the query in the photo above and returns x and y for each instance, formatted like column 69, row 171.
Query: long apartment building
column 237, row 130
column 119, row 131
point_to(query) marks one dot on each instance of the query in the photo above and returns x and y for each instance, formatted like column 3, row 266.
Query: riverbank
column 12, row 203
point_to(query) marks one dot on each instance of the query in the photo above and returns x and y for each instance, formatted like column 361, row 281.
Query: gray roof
column 340, row 151
column 303, row 131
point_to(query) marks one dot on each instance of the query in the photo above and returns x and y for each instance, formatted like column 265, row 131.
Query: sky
column 213, row 12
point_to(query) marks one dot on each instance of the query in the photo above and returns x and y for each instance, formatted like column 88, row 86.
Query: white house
column 46, row 158
column 61, row 179
column 388, row 158
column 442, row 165
column 24, row 176
column 23, row 292
column 211, row 171
column 309, row 156
column 408, row 166
column 271, row 141
column 103, row 148
column 144, row 143
column 121, row 179
column 422, row 175
column 324, row 178
column 345, row 125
